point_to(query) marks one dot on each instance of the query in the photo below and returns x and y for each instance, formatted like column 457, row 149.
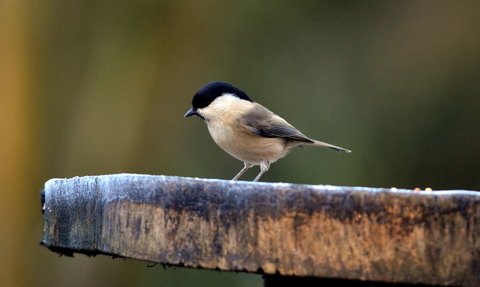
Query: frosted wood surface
column 301, row 230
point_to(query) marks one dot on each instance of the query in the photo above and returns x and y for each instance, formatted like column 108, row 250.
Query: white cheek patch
column 220, row 106
column 224, row 102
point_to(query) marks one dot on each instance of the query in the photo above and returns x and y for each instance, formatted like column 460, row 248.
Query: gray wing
column 263, row 122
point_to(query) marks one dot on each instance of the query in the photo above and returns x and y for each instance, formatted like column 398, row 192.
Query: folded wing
column 263, row 122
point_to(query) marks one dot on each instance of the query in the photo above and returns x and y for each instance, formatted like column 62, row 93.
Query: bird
column 245, row 129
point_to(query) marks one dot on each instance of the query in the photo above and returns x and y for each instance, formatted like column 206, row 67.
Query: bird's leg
column 247, row 166
column 264, row 166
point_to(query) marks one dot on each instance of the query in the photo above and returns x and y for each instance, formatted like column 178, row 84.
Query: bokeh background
column 99, row 87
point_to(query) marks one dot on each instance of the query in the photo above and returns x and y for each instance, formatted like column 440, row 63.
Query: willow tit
column 245, row 129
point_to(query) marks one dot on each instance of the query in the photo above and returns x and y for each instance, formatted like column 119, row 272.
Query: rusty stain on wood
column 297, row 230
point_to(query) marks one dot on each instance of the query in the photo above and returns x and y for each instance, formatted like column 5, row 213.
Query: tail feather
column 322, row 144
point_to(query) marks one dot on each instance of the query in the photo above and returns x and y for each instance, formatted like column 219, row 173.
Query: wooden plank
column 323, row 231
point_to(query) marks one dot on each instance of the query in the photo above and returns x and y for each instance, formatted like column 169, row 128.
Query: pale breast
column 244, row 145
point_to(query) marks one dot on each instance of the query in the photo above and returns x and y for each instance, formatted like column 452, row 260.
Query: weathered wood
column 297, row 230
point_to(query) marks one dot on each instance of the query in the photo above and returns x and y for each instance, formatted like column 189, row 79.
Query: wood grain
column 354, row 233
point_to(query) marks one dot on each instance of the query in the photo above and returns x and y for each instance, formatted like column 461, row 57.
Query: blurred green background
column 100, row 87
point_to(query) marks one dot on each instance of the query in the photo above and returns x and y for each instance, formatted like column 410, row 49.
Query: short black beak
column 190, row 112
